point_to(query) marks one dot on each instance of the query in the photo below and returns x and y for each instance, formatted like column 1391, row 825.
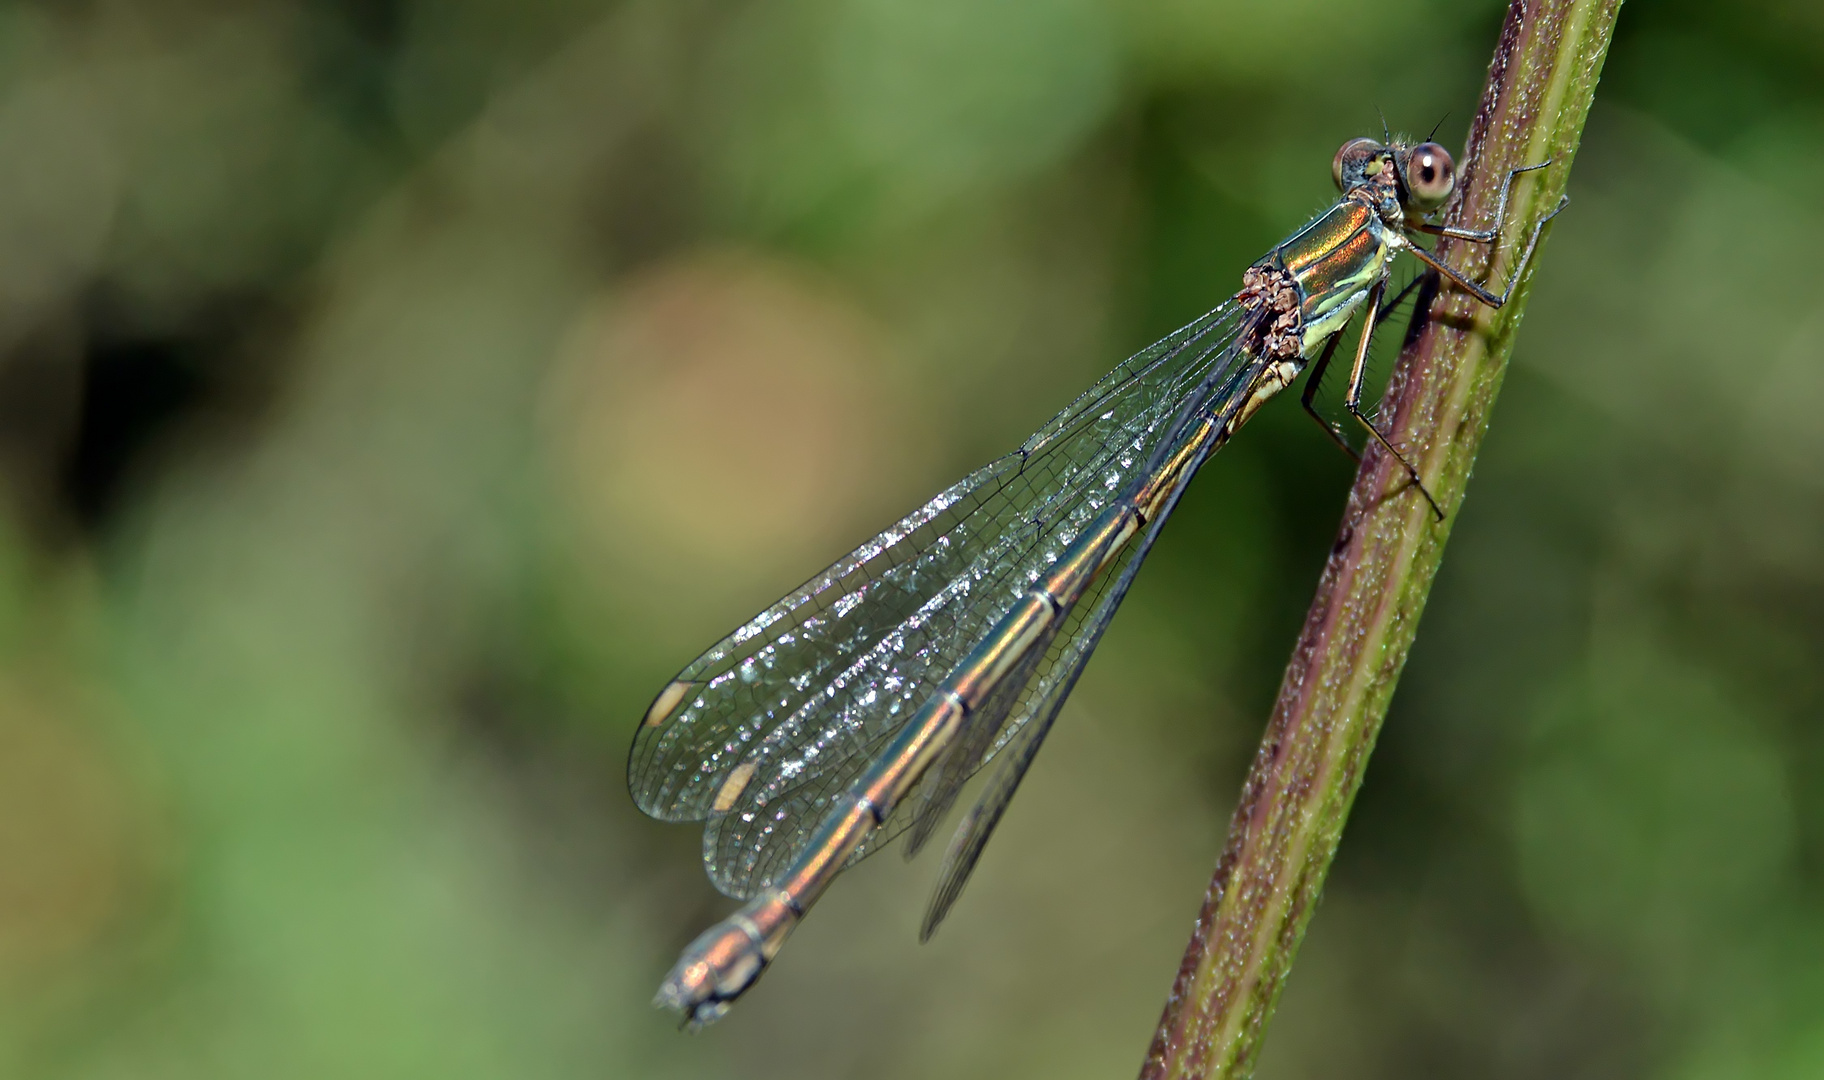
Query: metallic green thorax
column 1334, row 261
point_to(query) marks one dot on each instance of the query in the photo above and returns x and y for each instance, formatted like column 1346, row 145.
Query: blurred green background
column 394, row 393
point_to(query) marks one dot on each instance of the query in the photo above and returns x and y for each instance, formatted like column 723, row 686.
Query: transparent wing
column 759, row 733
column 1045, row 698
column 1040, row 689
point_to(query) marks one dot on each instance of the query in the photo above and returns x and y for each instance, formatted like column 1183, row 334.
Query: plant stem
column 1362, row 621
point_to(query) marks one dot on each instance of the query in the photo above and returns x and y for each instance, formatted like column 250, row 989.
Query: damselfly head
column 1428, row 175
column 1423, row 176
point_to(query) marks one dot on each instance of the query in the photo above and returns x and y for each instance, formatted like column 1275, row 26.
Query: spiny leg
column 1483, row 236
column 1480, row 293
column 1306, row 398
column 1353, row 399
column 1309, row 397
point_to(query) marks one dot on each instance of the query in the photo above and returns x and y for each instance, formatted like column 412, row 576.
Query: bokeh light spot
column 716, row 417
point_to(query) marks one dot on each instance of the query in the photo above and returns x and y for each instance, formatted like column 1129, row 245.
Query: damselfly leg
column 1493, row 232
column 1375, row 312
column 1321, row 366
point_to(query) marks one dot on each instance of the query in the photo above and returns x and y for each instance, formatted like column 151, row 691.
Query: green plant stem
column 1362, row 622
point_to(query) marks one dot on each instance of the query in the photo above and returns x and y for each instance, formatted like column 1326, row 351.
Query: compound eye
column 1355, row 150
column 1430, row 176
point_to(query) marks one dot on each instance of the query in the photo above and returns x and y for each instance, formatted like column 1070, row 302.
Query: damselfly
column 855, row 708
